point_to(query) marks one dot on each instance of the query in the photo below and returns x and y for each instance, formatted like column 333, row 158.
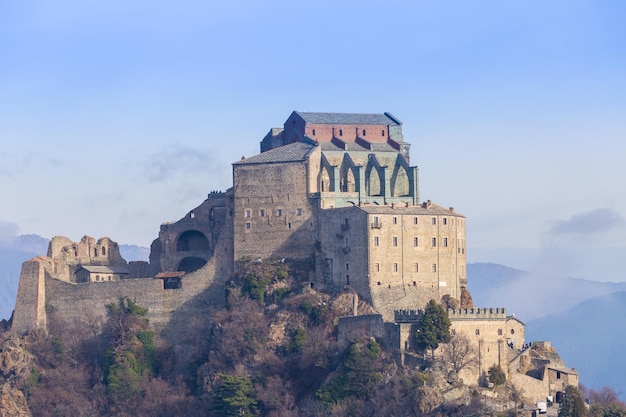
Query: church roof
column 293, row 152
column 349, row 118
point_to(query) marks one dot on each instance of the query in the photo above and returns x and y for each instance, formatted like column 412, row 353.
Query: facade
column 90, row 273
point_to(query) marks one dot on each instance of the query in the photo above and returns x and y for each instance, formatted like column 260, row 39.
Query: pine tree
column 433, row 327
column 572, row 404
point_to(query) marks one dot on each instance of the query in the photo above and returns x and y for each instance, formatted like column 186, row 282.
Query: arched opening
column 400, row 183
column 348, row 179
column 325, row 183
column 559, row 397
column 373, row 184
column 191, row 264
column 192, row 240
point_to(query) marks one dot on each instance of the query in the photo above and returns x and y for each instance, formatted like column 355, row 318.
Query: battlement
column 407, row 316
column 477, row 313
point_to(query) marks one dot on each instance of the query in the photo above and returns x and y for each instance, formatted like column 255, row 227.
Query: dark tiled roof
column 349, row 118
column 105, row 269
column 352, row 146
column 293, row 152
column 401, row 208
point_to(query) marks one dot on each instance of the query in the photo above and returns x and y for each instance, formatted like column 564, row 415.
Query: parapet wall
column 477, row 313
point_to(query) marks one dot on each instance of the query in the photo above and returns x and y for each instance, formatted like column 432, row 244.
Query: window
column 382, row 133
column 95, row 252
column 434, row 267
column 248, row 225
column 395, row 241
column 262, row 213
column 558, row 374
column 340, row 132
column 376, row 241
column 445, row 242
column 415, row 283
column 499, row 332
column 347, row 266
column 279, row 213
column 512, row 331
column 248, row 213
column 395, row 267
column 363, row 132
column 395, row 220
column 445, row 221
column 299, row 211
column 377, row 267
column 434, row 242
column 477, row 332
column 289, row 225
column 415, row 241
column 416, row 268
column 97, row 277
column 348, row 279
column 434, row 220
column 414, row 220
column 313, row 132
column 104, row 251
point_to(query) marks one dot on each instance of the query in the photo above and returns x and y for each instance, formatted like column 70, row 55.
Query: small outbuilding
column 97, row 273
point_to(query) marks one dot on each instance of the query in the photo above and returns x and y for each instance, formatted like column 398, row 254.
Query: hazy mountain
column 531, row 294
column 589, row 337
column 13, row 252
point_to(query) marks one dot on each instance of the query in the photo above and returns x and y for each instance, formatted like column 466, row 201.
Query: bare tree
column 459, row 354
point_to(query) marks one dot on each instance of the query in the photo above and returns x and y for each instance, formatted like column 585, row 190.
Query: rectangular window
column 445, row 221
column 288, row 225
column 395, row 267
column 279, row 213
column 434, row 242
column 248, row 213
column 415, row 241
column 434, row 220
column 499, row 332
column 434, row 267
column 445, row 242
column 395, row 241
column 376, row 241
column 377, row 267
column 248, row 226
column 414, row 220
column 262, row 213
column 416, row 267
column 395, row 220
column 348, row 279
column 299, row 211
column 347, row 266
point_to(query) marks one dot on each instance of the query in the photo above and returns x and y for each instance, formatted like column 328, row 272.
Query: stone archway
column 191, row 241
column 191, row 264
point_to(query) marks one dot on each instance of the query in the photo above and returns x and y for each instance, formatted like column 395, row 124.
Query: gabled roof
column 97, row 269
column 349, row 118
column 294, row 152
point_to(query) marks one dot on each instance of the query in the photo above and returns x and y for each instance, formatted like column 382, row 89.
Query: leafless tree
column 459, row 354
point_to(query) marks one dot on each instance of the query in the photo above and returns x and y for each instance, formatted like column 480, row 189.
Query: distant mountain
column 531, row 294
column 22, row 248
column 589, row 337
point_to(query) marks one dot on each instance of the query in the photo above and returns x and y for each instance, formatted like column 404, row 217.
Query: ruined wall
column 352, row 328
column 30, row 312
column 68, row 255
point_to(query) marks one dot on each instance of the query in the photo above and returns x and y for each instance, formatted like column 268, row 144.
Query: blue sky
column 117, row 116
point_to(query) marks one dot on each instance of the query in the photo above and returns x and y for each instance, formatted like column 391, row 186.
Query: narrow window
column 395, row 267
column 279, row 213
column 376, row 241
column 192, row 215
column 395, row 241
column 104, row 251
column 434, row 242
column 299, row 211
column 395, row 220
column 97, row 277
column 382, row 133
column 363, row 132
column 340, row 132
column 262, row 213
column 477, row 332
column 416, row 268
column 415, row 241
column 434, row 267
column 248, row 225
column 109, row 277
column 415, row 283
column 347, row 266
column 558, row 374
column 289, row 225
column 434, row 220
column 313, row 132
column 445, row 242
column 377, row 267
column 499, row 332
column 95, row 252
column 445, row 221
column 348, row 279
column 248, row 213
column 414, row 220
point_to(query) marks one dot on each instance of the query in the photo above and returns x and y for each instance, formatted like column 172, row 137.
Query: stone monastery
column 333, row 190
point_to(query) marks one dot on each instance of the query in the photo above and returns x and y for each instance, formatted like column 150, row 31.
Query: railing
column 377, row 225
